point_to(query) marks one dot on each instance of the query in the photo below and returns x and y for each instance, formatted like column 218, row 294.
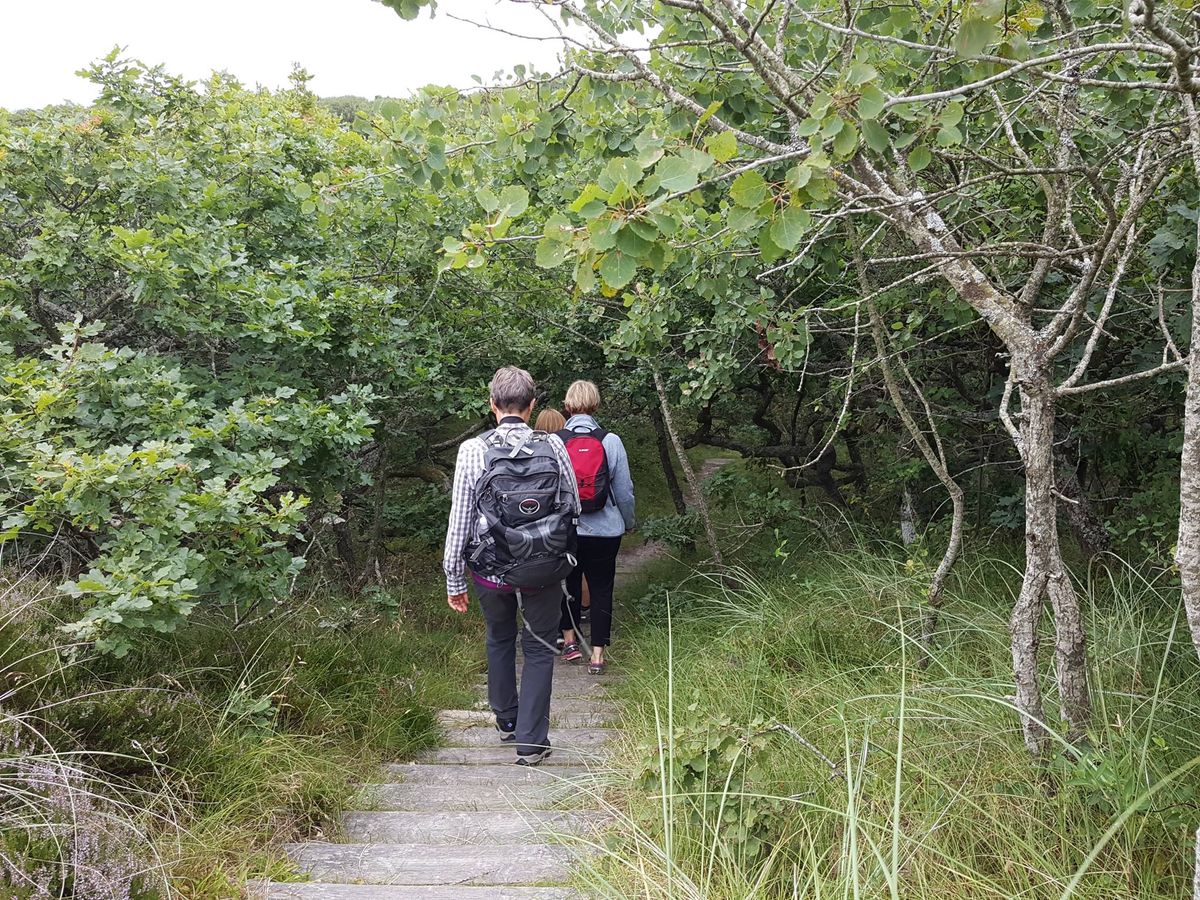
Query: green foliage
column 239, row 330
column 182, row 508
column 214, row 310
column 677, row 531
column 700, row 225
column 714, row 765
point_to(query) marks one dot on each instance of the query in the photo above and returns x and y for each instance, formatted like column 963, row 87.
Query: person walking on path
column 606, row 492
column 513, row 518
column 550, row 421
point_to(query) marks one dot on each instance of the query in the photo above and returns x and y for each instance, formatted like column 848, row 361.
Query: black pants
column 598, row 561
column 532, row 712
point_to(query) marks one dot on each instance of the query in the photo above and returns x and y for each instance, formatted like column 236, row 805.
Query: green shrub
column 714, row 766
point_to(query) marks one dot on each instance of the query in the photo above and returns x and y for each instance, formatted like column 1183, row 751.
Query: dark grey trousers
column 532, row 708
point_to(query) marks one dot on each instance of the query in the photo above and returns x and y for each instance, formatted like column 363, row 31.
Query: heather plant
column 66, row 831
column 69, row 826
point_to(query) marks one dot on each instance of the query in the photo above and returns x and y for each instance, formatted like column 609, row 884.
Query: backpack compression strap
column 529, row 628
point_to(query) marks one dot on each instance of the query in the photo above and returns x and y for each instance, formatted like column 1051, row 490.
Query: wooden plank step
column 484, row 718
column 583, row 739
column 503, row 772
column 565, row 702
column 324, row 891
column 414, row 796
column 591, row 689
column 421, row 864
column 458, row 828
column 499, row 754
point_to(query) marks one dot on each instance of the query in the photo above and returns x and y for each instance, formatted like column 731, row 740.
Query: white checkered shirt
column 464, row 517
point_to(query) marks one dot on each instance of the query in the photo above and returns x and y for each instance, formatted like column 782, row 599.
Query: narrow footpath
column 462, row 822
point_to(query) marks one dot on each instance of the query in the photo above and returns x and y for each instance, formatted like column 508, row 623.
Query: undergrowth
column 181, row 768
column 784, row 740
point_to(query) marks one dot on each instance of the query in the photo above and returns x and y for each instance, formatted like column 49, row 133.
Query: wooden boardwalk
column 463, row 821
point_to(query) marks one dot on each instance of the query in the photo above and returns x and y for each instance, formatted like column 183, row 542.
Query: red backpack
column 586, row 449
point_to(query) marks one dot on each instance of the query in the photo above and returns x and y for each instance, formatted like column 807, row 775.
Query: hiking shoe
column 571, row 653
column 507, row 729
column 534, row 758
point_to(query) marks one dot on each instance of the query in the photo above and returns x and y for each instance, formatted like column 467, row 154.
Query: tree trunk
column 937, row 584
column 689, row 474
column 858, row 470
column 343, row 537
column 371, row 568
column 935, row 457
column 822, row 476
column 1087, row 527
column 908, row 519
column 1196, row 870
column 1187, row 549
column 374, row 501
column 1045, row 575
column 664, row 456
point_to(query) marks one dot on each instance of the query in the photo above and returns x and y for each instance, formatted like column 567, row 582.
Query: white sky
column 351, row 46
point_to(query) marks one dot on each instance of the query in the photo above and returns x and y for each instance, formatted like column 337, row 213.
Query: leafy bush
column 752, row 498
column 188, row 335
column 714, row 767
column 187, row 506
column 678, row 531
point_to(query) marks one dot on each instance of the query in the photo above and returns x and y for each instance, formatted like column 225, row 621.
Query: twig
column 835, row 771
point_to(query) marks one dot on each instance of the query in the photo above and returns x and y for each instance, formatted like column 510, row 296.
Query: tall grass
column 180, row 769
column 789, row 745
column 68, row 827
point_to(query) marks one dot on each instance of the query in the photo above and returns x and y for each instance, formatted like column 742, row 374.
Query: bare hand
column 458, row 602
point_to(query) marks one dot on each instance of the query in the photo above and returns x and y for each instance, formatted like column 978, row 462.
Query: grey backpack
column 527, row 515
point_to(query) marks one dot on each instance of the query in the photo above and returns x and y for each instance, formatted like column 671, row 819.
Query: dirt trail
column 634, row 559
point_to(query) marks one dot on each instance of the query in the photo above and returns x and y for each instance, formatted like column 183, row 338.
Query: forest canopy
column 924, row 265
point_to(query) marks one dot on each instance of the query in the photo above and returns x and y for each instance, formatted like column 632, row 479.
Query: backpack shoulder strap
column 583, row 431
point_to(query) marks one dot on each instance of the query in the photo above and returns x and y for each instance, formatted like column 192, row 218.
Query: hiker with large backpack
column 606, row 498
column 513, row 519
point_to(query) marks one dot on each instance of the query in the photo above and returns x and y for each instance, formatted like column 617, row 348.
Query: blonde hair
column 582, row 397
column 550, row 420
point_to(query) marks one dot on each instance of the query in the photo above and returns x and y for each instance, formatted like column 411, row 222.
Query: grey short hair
column 512, row 389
